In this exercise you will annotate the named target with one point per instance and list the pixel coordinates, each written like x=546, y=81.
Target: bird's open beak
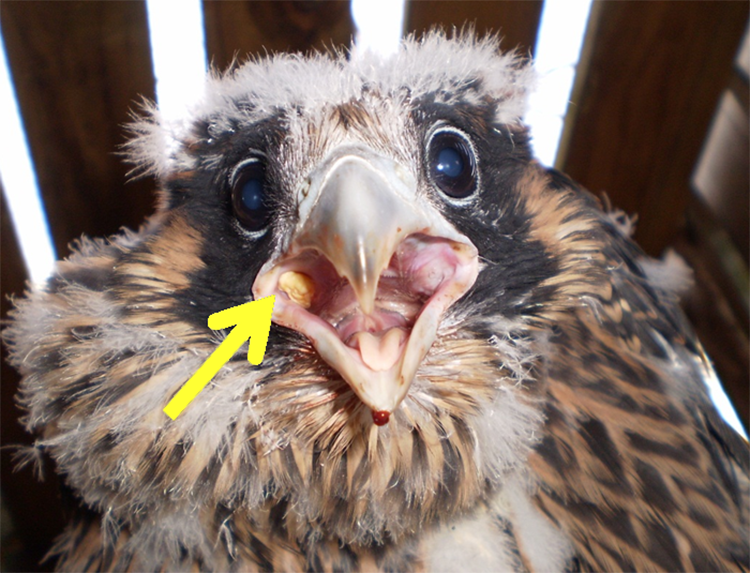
x=368, y=274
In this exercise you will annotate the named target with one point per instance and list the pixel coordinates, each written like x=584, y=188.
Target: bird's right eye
x=249, y=197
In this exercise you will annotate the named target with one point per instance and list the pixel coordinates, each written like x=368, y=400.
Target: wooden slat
x=517, y=22
x=643, y=106
x=236, y=30
x=34, y=507
x=722, y=176
x=78, y=67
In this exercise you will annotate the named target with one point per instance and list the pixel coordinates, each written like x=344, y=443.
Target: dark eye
x=249, y=199
x=452, y=165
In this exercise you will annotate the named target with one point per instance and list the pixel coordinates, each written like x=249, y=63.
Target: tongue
x=382, y=350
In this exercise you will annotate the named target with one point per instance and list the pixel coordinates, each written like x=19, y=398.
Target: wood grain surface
x=516, y=22
x=642, y=108
x=236, y=30
x=79, y=68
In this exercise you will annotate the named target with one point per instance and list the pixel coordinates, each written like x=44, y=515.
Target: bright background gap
x=20, y=185
x=722, y=402
x=379, y=25
x=558, y=48
x=178, y=53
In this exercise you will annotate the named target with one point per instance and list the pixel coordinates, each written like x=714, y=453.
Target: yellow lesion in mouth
x=299, y=287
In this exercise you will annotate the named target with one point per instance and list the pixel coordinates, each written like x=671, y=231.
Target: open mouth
x=368, y=295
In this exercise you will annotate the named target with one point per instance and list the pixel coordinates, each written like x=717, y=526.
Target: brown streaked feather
x=627, y=466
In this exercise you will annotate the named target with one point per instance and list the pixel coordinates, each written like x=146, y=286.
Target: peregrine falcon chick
x=468, y=368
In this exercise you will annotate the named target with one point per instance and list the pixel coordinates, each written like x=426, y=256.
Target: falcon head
x=423, y=265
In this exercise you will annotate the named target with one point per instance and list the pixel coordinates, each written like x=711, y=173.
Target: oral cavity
x=377, y=351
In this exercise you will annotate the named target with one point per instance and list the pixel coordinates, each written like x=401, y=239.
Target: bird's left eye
x=451, y=163
x=249, y=199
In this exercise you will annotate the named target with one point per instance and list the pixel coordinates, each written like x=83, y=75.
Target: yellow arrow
x=253, y=320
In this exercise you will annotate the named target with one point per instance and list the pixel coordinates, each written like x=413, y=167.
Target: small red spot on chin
x=381, y=417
